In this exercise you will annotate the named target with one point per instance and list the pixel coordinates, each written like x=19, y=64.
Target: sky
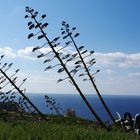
x=109, y=27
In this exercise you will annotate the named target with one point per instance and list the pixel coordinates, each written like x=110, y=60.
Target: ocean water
x=116, y=103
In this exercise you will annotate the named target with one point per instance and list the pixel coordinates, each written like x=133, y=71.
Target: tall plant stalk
x=52, y=102
x=88, y=72
x=43, y=35
x=12, y=82
x=17, y=109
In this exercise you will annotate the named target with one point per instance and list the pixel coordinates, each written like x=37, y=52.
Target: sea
x=116, y=103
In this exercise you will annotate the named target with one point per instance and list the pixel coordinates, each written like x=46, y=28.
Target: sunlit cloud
x=108, y=80
x=109, y=71
x=28, y=54
x=8, y=52
x=119, y=59
x=134, y=75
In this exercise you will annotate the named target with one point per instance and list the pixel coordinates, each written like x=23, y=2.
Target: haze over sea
x=116, y=103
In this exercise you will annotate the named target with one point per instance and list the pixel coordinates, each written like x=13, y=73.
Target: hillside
x=55, y=129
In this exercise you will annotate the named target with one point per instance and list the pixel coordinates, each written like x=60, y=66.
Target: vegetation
x=81, y=60
x=22, y=120
x=54, y=129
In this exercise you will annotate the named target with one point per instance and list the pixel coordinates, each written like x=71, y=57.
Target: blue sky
x=110, y=27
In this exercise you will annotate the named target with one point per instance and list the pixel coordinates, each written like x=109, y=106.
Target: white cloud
x=119, y=59
x=112, y=80
x=8, y=52
x=134, y=75
x=109, y=71
x=26, y=53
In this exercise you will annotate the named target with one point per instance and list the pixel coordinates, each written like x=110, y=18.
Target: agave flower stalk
x=53, y=104
x=29, y=108
x=50, y=43
x=17, y=109
x=67, y=30
x=18, y=89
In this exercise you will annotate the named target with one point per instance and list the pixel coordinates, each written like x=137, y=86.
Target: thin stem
x=70, y=76
x=58, y=112
x=91, y=79
x=23, y=95
x=16, y=107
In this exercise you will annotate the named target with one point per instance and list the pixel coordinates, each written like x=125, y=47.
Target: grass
x=54, y=129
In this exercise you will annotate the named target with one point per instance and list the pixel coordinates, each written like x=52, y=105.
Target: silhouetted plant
x=51, y=103
x=10, y=99
x=27, y=108
x=41, y=34
x=70, y=32
x=6, y=80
